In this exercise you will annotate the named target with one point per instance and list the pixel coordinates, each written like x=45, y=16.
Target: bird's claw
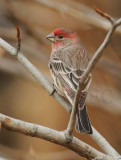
x=53, y=91
x=68, y=137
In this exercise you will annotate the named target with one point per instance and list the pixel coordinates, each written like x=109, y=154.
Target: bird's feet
x=68, y=137
x=53, y=91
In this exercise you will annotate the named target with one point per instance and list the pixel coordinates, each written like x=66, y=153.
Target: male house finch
x=67, y=63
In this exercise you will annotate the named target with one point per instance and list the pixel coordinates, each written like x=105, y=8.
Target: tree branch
x=105, y=15
x=91, y=65
x=80, y=95
x=100, y=50
x=19, y=40
x=51, y=135
x=103, y=143
x=71, y=123
x=36, y=74
x=108, y=149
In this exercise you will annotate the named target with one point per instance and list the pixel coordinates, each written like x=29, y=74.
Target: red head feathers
x=62, y=37
x=65, y=33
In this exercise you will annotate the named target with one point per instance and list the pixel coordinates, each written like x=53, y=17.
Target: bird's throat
x=56, y=45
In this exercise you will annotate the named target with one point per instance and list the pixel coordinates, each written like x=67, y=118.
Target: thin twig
x=51, y=135
x=79, y=101
x=71, y=123
x=105, y=15
x=19, y=40
x=100, y=50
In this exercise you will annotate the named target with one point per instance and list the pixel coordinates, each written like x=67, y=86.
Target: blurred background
x=23, y=98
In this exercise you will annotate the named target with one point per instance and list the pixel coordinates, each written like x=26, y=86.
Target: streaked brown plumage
x=68, y=61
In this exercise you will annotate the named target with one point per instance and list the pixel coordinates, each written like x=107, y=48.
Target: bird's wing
x=67, y=76
x=66, y=66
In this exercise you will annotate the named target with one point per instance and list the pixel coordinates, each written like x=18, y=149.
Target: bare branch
x=94, y=60
x=105, y=15
x=51, y=135
x=71, y=123
x=102, y=142
x=91, y=65
x=99, y=51
x=19, y=40
x=36, y=74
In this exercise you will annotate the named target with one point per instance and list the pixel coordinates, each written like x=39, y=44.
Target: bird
x=68, y=61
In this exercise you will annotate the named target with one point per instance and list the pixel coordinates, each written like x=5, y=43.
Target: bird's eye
x=60, y=36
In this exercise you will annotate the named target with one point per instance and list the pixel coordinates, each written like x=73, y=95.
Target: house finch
x=68, y=61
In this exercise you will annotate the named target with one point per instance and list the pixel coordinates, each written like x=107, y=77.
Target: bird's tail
x=83, y=124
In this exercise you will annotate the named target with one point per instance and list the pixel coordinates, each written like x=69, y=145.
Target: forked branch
x=51, y=135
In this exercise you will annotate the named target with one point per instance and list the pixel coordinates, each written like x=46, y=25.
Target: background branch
x=92, y=18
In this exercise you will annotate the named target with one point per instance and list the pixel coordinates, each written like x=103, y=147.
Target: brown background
x=23, y=98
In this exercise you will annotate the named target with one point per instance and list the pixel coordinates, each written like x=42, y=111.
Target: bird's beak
x=51, y=37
